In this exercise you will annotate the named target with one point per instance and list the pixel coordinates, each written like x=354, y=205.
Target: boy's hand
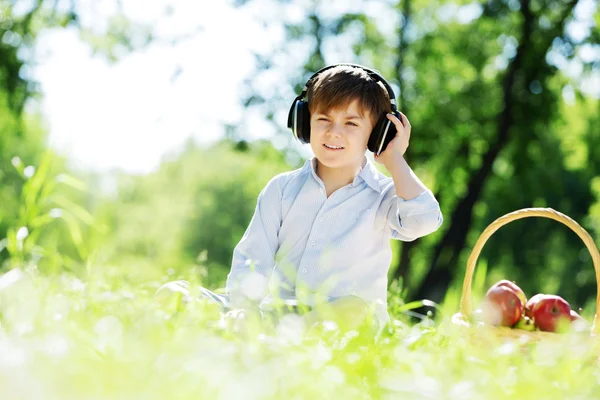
x=397, y=147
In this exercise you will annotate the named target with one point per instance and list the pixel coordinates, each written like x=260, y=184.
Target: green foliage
x=121, y=37
x=494, y=128
x=34, y=237
x=482, y=95
x=197, y=204
x=35, y=190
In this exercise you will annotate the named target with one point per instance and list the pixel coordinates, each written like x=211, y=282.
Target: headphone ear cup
x=303, y=121
x=299, y=120
x=382, y=134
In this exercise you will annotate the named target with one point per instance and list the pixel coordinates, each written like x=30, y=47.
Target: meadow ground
x=65, y=337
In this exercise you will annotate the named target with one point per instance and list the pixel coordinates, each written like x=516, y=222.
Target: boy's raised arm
x=417, y=212
x=413, y=212
x=254, y=255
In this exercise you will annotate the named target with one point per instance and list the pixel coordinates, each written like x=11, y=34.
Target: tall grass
x=34, y=235
x=67, y=338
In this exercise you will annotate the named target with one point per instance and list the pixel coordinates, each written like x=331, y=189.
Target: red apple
x=552, y=313
x=531, y=304
x=515, y=288
x=501, y=306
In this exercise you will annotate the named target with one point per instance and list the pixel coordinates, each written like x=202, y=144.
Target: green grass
x=103, y=337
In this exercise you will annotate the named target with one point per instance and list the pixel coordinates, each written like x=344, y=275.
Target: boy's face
x=339, y=137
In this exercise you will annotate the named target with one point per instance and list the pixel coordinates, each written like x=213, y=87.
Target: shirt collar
x=368, y=173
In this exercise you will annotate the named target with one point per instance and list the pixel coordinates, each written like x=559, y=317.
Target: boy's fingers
x=397, y=123
x=405, y=124
x=403, y=121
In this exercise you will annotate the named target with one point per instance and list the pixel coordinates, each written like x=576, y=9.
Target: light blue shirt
x=303, y=245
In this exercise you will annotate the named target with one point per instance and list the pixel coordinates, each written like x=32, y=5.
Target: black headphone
x=383, y=132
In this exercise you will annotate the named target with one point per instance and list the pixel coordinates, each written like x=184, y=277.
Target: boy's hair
x=338, y=86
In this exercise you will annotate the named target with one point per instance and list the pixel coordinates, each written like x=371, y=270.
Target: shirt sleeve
x=254, y=255
x=412, y=219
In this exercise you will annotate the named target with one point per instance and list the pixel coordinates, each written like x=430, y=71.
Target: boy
x=320, y=235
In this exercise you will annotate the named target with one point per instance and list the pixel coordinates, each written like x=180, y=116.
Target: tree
x=22, y=136
x=484, y=93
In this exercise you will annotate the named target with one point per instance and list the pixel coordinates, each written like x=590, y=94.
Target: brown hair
x=340, y=85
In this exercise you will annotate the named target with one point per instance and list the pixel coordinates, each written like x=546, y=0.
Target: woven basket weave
x=466, y=307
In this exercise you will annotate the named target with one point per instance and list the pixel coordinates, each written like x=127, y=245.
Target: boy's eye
x=352, y=123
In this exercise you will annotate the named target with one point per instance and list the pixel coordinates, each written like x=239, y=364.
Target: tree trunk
x=402, y=269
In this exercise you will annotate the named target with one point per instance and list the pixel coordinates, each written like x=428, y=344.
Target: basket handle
x=465, y=301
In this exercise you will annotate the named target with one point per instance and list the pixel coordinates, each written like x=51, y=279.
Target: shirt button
x=304, y=270
x=321, y=189
x=321, y=218
x=313, y=242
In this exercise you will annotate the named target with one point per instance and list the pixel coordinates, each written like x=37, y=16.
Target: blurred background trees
x=498, y=125
x=504, y=107
x=43, y=216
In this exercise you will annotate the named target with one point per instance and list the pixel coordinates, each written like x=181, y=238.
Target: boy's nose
x=334, y=131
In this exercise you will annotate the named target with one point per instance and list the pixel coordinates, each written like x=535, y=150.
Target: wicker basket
x=463, y=318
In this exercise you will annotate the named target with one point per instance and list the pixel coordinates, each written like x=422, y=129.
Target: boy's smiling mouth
x=332, y=147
